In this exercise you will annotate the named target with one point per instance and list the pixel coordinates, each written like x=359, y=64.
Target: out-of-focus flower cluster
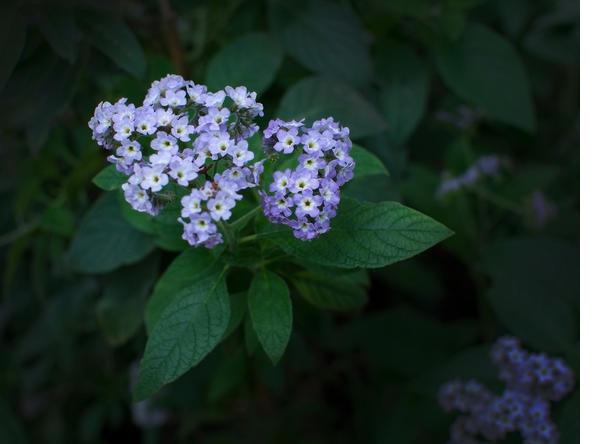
x=488, y=165
x=307, y=197
x=532, y=381
x=186, y=136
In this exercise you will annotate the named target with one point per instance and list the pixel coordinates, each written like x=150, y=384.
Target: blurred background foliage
x=430, y=86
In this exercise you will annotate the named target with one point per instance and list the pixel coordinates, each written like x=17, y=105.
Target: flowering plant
x=188, y=157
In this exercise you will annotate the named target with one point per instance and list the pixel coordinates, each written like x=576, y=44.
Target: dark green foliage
x=252, y=61
x=271, y=340
x=105, y=241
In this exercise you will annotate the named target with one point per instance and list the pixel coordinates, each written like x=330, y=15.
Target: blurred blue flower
x=488, y=165
x=532, y=381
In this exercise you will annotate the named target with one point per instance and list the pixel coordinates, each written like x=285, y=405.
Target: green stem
x=253, y=237
x=250, y=238
x=268, y=261
x=227, y=233
x=241, y=221
x=12, y=236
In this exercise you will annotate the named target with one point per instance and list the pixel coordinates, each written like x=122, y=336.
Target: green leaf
x=188, y=267
x=367, y=163
x=119, y=43
x=535, y=290
x=12, y=41
x=314, y=98
x=405, y=88
x=331, y=289
x=188, y=329
x=367, y=235
x=58, y=220
x=105, y=241
x=324, y=37
x=109, y=179
x=251, y=60
x=141, y=221
x=39, y=92
x=482, y=67
x=121, y=307
x=270, y=309
x=59, y=29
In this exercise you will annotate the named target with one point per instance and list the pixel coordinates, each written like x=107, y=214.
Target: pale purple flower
x=214, y=99
x=303, y=180
x=154, y=178
x=196, y=93
x=281, y=181
x=220, y=206
x=287, y=140
x=311, y=142
x=311, y=162
x=220, y=145
x=181, y=129
x=123, y=130
x=330, y=192
x=240, y=153
x=215, y=120
x=192, y=203
x=138, y=198
x=123, y=111
x=173, y=99
x=161, y=158
x=241, y=96
x=164, y=116
x=122, y=164
x=130, y=152
x=183, y=170
x=145, y=120
x=307, y=204
x=164, y=142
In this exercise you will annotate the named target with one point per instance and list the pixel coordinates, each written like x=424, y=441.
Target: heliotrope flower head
x=175, y=140
x=307, y=197
x=532, y=381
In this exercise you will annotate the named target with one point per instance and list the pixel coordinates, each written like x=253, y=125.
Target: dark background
x=429, y=86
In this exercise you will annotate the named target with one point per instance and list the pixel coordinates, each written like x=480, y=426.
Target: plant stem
x=249, y=238
x=497, y=200
x=229, y=237
x=12, y=236
x=268, y=261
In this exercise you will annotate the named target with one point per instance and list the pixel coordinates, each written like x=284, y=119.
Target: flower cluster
x=532, y=381
x=307, y=197
x=488, y=165
x=183, y=136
